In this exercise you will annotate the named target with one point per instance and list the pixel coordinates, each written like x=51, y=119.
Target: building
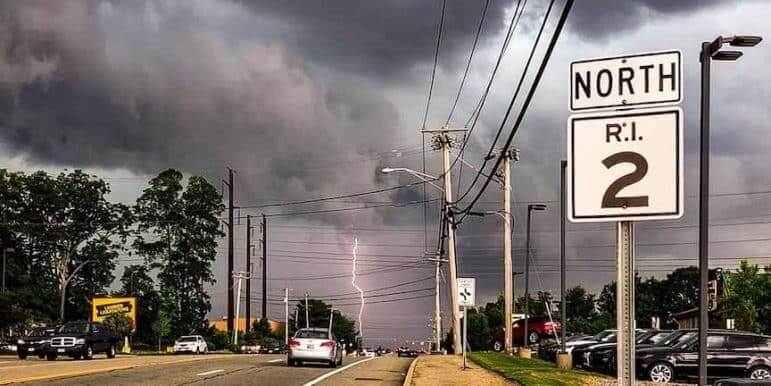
x=222, y=325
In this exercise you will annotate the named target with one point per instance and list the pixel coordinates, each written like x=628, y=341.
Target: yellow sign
x=101, y=308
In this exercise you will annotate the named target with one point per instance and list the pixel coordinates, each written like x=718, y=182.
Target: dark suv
x=82, y=340
x=36, y=343
x=729, y=354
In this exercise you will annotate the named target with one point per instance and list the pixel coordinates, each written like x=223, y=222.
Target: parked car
x=271, y=348
x=548, y=352
x=405, y=351
x=729, y=354
x=538, y=328
x=314, y=345
x=82, y=340
x=194, y=344
x=602, y=357
x=36, y=342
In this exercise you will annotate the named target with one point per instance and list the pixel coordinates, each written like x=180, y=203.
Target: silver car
x=314, y=345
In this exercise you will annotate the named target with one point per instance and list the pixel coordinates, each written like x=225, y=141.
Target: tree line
x=62, y=238
x=746, y=298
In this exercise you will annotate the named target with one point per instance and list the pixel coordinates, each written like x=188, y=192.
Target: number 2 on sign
x=610, y=199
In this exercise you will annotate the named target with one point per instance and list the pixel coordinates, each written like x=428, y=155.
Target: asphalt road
x=206, y=369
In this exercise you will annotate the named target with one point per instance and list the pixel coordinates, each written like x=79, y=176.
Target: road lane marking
x=276, y=360
x=331, y=373
x=210, y=372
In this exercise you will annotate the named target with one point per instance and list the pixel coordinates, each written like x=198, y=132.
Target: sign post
x=466, y=299
x=625, y=166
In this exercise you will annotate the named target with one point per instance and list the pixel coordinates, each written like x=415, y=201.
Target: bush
x=218, y=340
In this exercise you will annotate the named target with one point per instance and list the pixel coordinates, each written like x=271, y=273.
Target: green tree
x=183, y=226
x=744, y=297
x=13, y=311
x=120, y=324
x=478, y=330
x=261, y=329
x=580, y=303
x=162, y=327
x=136, y=281
x=494, y=314
x=71, y=234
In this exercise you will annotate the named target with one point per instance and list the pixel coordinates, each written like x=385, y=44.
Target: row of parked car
x=666, y=355
x=76, y=340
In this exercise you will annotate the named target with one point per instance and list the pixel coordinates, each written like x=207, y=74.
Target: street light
x=530, y=208
x=427, y=178
x=709, y=51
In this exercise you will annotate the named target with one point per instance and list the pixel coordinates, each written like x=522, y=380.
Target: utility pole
x=507, y=270
x=443, y=141
x=229, y=184
x=286, y=316
x=248, y=269
x=331, y=316
x=240, y=276
x=264, y=267
x=530, y=209
x=437, y=302
x=563, y=258
x=307, y=321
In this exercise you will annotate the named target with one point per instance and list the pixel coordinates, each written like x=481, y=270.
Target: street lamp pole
x=530, y=208
x=709, y=51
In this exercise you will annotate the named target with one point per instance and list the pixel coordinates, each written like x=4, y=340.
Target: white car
x=314, y=345
x=191, y=344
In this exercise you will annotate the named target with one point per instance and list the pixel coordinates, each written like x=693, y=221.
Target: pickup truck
x=82, y=340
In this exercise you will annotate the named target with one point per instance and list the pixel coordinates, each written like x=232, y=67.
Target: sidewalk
x=433, y=370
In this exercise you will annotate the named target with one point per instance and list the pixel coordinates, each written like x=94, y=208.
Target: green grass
x=532, y=372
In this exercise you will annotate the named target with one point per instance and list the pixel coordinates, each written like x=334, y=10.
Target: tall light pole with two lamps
x=709, y=51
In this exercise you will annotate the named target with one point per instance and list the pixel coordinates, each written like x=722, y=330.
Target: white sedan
x=191, y=344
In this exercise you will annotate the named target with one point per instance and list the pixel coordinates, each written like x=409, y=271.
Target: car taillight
x=328, y=343
x=294, y=342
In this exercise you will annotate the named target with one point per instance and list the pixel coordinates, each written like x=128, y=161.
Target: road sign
x=625, y=166
x=466, y=292
x=639, y=80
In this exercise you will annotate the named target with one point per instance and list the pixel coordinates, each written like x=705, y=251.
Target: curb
x=410, y=373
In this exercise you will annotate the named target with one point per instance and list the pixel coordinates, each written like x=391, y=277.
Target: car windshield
x=312, y=334
x=684, y=340
x=39, y=332
x=187, y=339
x=575, y=338
x=609, y=338
x=74, y=328
x=655, y=337
x=602, y=334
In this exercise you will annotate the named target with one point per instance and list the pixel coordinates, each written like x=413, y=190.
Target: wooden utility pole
x=249, y=270
x=230, y=249
x=264, y=267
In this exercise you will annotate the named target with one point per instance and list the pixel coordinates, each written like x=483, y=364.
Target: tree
x=744, y=299
x=478, y=330
x=343, y=327
x=162, y=326
x=120, y=324
x=494, y=314
x=13, y=311
x=580, y=303
x=71, y=232
x=136, y=281
x=183, y=226
x=261, y=329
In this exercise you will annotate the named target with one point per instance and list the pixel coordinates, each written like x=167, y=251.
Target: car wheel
x=76, y=357
x=51, y=356
x=498, y=346
x=41, y=355
x=533, y=337
x=760, y=372
x=332, y=364
x=22, y=355
x=111, y=352
x=661, y=372
x=89, y=354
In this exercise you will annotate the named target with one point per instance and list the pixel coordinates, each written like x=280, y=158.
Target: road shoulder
x=432, y=370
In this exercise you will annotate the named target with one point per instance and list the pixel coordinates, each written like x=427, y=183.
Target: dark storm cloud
x=384, y=37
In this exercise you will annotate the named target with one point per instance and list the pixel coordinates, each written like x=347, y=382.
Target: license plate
x=31, y=349
x=309, y=347
x=60, y=350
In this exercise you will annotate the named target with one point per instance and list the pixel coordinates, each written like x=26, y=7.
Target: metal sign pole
x=625, y=303
x=465, y=334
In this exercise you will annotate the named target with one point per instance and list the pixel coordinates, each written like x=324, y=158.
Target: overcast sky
x=311, y=99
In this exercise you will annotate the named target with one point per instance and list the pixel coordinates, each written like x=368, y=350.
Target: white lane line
x=210, y=372
x=276, y=360
x=331, y=373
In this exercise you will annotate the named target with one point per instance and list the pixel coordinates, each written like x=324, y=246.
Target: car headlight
x=80, y=341
x=20, y=341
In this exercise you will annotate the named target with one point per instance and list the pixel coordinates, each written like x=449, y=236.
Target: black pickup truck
x=35, y=343
x=82, y=340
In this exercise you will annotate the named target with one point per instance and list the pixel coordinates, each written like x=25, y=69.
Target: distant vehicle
x=251, y=349
x=35, y=343
x=82, y=340
x=388, y=351
x=538, y=328
x=194, y=344
x=314, y=345
x=406, y=352
x=271, y=348
x=729, y=354
x=367, y=352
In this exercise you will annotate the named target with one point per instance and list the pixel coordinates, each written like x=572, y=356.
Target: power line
x=392, y=205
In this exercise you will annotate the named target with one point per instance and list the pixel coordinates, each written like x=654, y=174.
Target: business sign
x=625, y=166
x=101, y=308
x=639, y=80
x=466, y=292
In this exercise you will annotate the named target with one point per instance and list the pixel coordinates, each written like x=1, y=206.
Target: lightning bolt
x=353, y=283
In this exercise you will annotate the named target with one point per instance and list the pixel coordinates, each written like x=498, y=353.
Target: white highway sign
x=466, y=292
x=639, y=80
x=625, y=166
